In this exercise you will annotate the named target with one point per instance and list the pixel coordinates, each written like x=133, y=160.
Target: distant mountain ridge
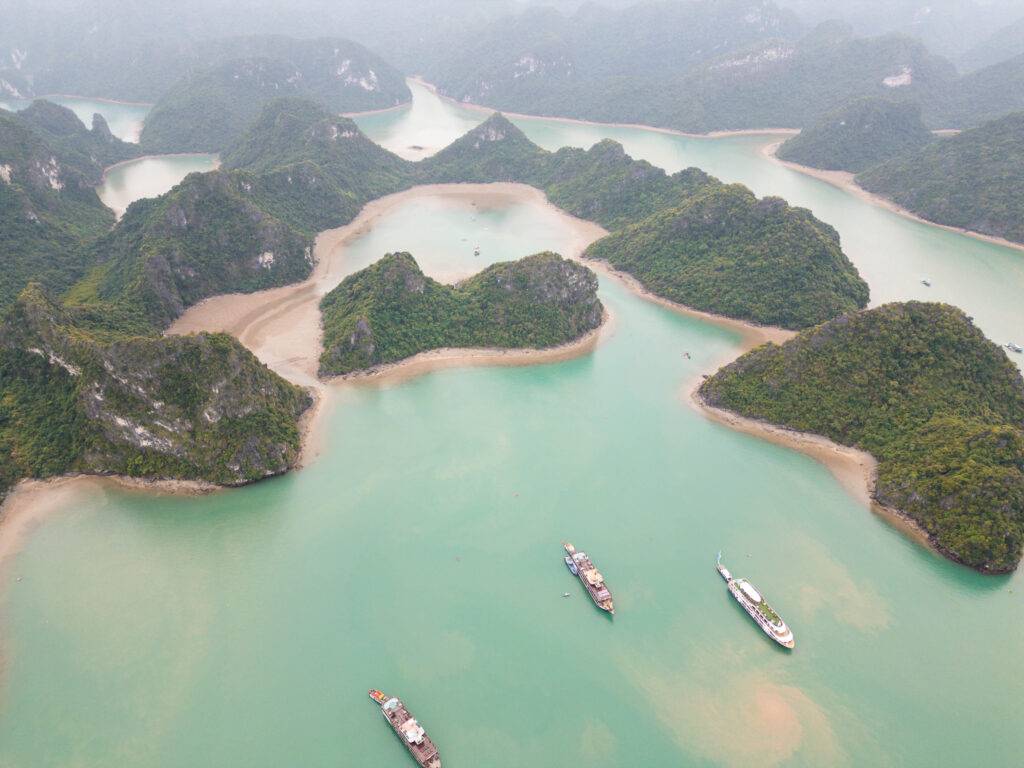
x=339, y=72
x=754, y=66
x=211, y=106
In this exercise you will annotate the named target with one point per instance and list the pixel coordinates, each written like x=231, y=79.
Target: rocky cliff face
x=192, y=407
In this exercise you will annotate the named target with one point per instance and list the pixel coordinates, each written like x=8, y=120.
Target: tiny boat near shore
x=581, y=567
x=408, y=730
x=755, y=605
x=1014, y=347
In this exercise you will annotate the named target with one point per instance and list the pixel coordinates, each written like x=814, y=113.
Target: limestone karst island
x=396, y=384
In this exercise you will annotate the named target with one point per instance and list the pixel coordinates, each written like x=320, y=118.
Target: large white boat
x=754, y=604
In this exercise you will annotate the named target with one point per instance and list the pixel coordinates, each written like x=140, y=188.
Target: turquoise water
x=892, y=253
x=125, y=120
x=127, y=182
x=420, y=553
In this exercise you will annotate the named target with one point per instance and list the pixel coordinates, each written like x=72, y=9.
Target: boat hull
x=785, y=639
x=580, y=565
x=422, y=749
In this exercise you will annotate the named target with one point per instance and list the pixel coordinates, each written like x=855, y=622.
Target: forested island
x=391, y=310
x=724, y=251
x=971, y=181
x=858, y=136
x=919, y=387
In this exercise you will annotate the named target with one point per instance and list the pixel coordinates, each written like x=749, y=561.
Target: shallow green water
x=125, y=120
x=420, y=553
x=149, y=177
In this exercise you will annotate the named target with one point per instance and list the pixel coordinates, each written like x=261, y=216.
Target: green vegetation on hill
x=181, y=407
x=390, y=310
x=972, y=180
x=919, y=387
x=294, y=132
x=211, y=107
x=725, y=251
x=858, y=136
x=606, y=185
x=90, y=150
x=602, y=184
x=981, y=96
x=496, y=150
x=208, y=235
x=49, y=165
x=781, y=266
x=296, y=171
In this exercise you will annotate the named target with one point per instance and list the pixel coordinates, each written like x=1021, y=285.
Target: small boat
x=1014, y=347
x=755, y=605
x=408, y=730
x=476, y=251
x=581, y=567
x=926, y=282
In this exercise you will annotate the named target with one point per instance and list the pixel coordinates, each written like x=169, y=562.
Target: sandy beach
x=856, y=470
x=847, y=181
x=439, y=359
x=281, y=326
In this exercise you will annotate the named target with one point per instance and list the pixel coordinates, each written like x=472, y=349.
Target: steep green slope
x=48, y=206
x=919, y=387
x=292, y=132
x=495, y=150
x=211, y=107
x=972, y=180
x=981, y=96
x=208, y=235
x=602, y=184
x=193, y=407
x=727, y=252
x=91, y=150
x=390, y=310
x=606, y=185
x=858, y=136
